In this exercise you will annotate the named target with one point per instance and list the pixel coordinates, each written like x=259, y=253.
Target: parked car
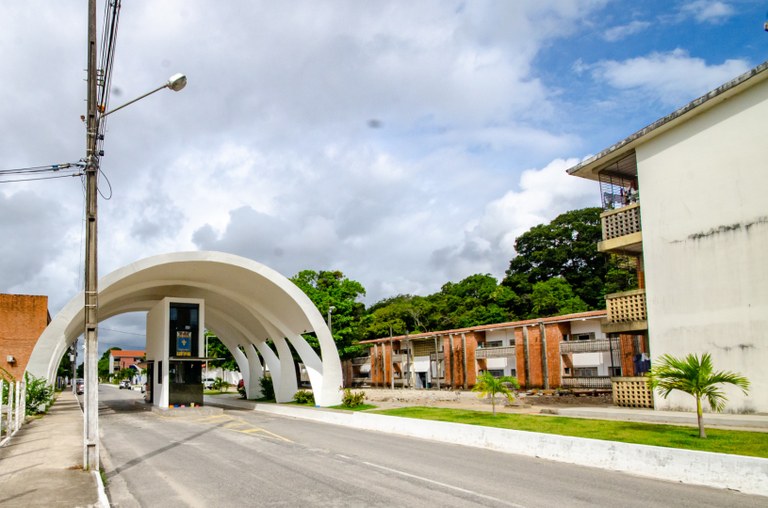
x=125, y=384
x=79, y=386
x=208, y=383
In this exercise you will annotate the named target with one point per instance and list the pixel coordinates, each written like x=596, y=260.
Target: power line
x=34, y=179
x=41, y=169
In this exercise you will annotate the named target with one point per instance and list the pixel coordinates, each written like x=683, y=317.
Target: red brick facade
x=22, y=319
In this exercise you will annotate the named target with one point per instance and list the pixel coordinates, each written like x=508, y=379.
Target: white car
x=208, y=383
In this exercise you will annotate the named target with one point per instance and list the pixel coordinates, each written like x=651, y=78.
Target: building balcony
x=626, y=312
x=590, y=383
x=588, y=346
x=495, y=352
x=622, y=233
x=361, y=360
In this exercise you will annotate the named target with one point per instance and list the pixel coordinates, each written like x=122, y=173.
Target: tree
x=126, y=373
x=490, y=386
x=217, y=349
x=329, y=289
x=695, y=376
x=553, y=297
x=103, y=365
x=475, y=300
x=567, y=248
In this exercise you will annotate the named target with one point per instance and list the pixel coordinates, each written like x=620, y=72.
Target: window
x=493, y=343
x=585, y=372
x=584, y=336
x=615, y=371
x=496, y=372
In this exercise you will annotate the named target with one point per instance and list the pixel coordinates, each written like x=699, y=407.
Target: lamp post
x=176, y=83
x=330, y=323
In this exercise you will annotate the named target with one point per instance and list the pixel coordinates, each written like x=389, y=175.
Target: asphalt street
x=248, y=458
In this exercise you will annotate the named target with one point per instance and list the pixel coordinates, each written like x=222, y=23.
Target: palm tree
x=488, y=385
x=697, y=377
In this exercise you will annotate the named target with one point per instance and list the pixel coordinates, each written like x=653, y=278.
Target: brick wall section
x=554, y=334
x=22, y=319
x=454, y=364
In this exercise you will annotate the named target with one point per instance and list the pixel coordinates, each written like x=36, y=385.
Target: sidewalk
x=42, y=463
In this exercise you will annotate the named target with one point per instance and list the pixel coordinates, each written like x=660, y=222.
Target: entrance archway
x=247, y=304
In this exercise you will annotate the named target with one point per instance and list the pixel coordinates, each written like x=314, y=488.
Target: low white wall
x=745, y=474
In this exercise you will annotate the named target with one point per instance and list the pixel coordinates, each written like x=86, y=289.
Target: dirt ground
x=526, y=402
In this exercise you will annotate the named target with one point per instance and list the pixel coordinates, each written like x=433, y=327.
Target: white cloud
x=707, y=11
x=618, y=33
x=674, y=77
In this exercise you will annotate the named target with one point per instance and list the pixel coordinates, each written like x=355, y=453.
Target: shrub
x=220, y=385
x=350, y=399
x=267, y=389
x=39, y=394
x=304, y=397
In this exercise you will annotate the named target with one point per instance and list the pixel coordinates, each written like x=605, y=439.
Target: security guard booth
x=175, y=328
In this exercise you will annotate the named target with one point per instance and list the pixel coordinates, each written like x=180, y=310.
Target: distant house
x=686, y=198
x=568, y=351
x=124, y=359
x=22, y=319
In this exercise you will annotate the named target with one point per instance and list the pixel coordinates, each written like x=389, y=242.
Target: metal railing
x=495, y=352
x=620, y=222
x=598, y=382
x=626, y=307
x=13, y=409
x=589, y=346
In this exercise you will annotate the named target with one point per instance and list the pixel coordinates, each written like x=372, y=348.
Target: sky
x=406, y=144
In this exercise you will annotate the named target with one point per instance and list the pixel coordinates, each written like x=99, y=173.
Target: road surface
x=247, y=458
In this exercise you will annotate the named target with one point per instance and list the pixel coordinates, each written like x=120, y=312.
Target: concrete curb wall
x=745, y=474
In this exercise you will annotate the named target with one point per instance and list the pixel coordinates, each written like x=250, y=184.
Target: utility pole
x=91, y=424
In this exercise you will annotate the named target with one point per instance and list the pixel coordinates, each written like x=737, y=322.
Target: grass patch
x=753, y=444
x=360, y=407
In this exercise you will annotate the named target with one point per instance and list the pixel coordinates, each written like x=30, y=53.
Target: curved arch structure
x=246, y=304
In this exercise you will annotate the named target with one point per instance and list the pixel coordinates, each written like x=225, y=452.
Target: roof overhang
x=591, y=167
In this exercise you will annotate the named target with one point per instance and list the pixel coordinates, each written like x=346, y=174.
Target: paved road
x=247, y=458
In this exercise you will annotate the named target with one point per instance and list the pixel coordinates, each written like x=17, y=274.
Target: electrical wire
x=40, y=178
x=39, y=169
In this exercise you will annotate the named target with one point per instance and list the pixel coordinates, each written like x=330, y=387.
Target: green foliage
x=217, y=349
x=567, y=248
x=65, y=365
x=103, y=365
x=220, y=385
x=39, y=394
x=753, y=444
x=489, y=386
x=696, y=376
x=304, y=397
x=553, y=297
x=267, y=388
x=126, y=373
x=352, y=399
x=333, y=289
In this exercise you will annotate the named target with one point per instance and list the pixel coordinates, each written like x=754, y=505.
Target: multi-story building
x=125, y=359
x=567, y=351
x=685, y=198
x=22, y=319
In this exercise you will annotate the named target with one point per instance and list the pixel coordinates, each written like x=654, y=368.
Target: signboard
x=183, y=343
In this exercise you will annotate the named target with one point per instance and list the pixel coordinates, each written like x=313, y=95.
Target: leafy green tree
x=475, y=300
x=555, y=296
x=126, y=373
x=695, y=376
x=329, y=289
x=490, y=386
x=103, y=365
x=217, y=349
x=39, y=394
x=220, y=385
x=567, y=248
x=399, y=315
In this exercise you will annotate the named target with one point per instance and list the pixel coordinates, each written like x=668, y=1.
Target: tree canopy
x=565, y=248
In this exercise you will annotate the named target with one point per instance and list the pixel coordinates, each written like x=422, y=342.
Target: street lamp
x=175, y=83
x=330, y=323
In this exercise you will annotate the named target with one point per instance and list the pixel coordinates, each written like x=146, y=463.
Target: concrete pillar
x=526, y=358
x=544, y=366
x=464, y=357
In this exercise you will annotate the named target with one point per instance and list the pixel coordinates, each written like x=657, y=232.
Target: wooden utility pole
x=91, y=424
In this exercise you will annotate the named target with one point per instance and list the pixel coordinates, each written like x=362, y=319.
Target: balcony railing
x=594, y=383
x=361, y=360
x=626, y=307
x=588, y=346
x=621, y=222
x=495, y=352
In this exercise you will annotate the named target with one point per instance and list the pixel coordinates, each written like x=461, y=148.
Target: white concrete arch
x=247, y=303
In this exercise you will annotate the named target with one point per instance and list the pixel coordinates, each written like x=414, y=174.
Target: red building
x=22, y=319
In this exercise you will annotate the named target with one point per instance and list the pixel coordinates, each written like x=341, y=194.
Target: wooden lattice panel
x=623, y=221
x=626, y=307
x=632, y=392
